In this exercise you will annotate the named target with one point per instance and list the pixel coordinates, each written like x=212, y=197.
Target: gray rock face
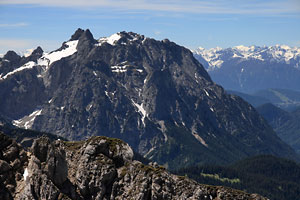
x=152, y=94
x=102, y=168
x=46, y=172
x=12, y=160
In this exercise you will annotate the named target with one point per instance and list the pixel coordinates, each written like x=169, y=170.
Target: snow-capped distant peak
x=242, y=48
x=200, y=49
x=283, y=47
x=212, y=56
x=215, y=57
x=217, y=49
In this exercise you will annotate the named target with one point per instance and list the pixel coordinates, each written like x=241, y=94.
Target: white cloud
x=157, y=32
x=13, y=25
x=190, y=6
x=14, y=43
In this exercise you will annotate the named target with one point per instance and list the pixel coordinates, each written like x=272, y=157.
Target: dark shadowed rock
x=36, y=54
x=77, y=34
x=12, y=57
x=12, y=161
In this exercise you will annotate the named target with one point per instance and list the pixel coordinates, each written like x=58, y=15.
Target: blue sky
x=25, y=24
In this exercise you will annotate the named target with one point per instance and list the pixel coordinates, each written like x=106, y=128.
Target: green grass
x=217, y=177
x=73, y=145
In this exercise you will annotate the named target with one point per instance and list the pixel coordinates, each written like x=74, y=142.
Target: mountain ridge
x=146, y=92
x=281, y=53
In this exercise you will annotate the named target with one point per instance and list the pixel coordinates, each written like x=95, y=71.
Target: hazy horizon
x=27, y=24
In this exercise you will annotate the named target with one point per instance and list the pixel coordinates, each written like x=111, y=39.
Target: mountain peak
x=38, y=51
x=77, y=34
x=80, y=33
x=286, y=47
x=11, y=55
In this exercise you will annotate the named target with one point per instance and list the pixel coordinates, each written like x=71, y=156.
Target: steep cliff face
x=98, y=168
x=152, y=94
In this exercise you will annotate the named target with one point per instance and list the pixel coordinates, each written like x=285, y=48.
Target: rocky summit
x=152, y=94
x=97, y=168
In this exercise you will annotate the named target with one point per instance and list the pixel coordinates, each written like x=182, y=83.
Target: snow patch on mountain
x=123, y=67
x=25, y=175
x=119, y=69
x=141, y=110
x=200, y=139
x=127, y=37
x=28, y=65
x=58, y=55
x=47, y=59
x=110, y=40
x=27, y=121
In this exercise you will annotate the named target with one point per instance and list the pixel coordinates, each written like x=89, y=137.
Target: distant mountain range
x=152, y=94
x=249, y=69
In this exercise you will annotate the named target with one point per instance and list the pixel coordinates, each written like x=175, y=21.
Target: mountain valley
x=285, y=124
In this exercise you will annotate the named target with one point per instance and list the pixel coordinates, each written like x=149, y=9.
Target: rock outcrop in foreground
x=98, y=168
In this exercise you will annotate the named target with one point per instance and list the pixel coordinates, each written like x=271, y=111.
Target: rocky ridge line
x=98, y=168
